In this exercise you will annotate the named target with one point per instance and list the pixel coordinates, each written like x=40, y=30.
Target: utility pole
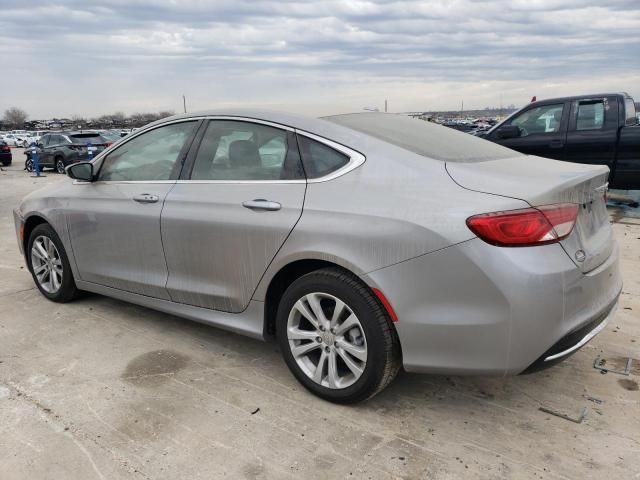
x=184, y=103
x=385, y=105
x=462, y=107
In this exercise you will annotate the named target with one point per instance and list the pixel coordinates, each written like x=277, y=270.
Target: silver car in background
x=364, y=242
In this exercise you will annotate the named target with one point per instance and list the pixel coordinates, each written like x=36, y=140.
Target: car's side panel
x=216, y=249
x=373, y=216
x=249, y=322
x=115, y=239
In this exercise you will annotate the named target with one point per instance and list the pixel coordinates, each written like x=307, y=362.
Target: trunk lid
x=541, y=181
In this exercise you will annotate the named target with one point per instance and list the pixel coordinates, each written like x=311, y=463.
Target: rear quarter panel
x=396, y=206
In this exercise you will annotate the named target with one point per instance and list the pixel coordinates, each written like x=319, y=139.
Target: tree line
x=17, y=118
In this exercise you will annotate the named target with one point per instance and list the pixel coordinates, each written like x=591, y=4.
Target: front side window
x=319, y=159
x=590, y=115
x=149, y=156
x=539, y=120
x=236, y=150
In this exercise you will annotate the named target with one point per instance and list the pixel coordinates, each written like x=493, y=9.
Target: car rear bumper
x=478, y=309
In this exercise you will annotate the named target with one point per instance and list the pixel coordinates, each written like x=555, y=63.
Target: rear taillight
x=525, y=227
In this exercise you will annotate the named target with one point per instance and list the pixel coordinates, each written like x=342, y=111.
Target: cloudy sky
x=88, y=57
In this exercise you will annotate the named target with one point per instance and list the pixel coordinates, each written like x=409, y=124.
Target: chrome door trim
x=193, y=182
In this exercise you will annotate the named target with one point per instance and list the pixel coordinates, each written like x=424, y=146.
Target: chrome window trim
x=236, y=182
x=356, y=159
x=109, y=182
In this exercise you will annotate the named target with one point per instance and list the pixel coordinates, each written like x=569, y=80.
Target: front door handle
x=146, y=198
x=261, y=204
x=556, y=144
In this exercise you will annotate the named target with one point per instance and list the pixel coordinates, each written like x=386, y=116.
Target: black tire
x=67, y=290
x=383, y=348
x=59, y=165
x=6, y=163
x=28, y=165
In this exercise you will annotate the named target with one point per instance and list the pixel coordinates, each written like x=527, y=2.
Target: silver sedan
x=363, y=243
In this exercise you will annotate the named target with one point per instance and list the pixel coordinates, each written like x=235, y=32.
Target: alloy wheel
x=327, y=340
x=46, y=264
x=60, y=166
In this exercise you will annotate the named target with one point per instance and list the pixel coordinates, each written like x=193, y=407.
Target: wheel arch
x=30, y=224
x=281, y=281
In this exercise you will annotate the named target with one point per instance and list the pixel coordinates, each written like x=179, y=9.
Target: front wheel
x=49, y=265
x=336, y=337
x=29, y=165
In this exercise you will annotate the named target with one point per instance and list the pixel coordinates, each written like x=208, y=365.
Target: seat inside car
x=243, y=153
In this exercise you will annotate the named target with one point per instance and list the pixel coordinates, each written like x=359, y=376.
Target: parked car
x=595, y=129
x=363, y=242
x=5, y=154
x=58, y=150
x=15, y=139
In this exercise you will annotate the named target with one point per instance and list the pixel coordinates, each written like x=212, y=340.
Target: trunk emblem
x=580, y=255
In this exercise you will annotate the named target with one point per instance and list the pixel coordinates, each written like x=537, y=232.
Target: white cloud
x=89, y=57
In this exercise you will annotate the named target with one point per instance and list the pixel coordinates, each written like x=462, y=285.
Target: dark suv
x=57, y=150
x=5, y=154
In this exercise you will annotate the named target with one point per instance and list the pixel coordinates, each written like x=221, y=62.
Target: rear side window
x=238, y=151
x=319, y=159
x=590, y=115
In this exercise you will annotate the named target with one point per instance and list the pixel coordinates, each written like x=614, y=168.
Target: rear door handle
x=146, y=198
x=261, y=204
x=556, y=144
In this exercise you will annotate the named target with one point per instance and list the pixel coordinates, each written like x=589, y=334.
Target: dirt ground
x=103, y=389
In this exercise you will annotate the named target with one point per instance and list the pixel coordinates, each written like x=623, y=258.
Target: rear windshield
x=424, y=138
x=85, y=137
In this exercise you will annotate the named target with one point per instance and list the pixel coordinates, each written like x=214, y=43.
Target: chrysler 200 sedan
x=364, y=243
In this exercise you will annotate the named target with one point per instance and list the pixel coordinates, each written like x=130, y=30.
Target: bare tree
x=15, y=117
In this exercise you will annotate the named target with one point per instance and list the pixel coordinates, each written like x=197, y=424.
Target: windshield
x=424, y=138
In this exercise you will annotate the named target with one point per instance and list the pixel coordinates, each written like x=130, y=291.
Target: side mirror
x=81, y=171
x=508, y=131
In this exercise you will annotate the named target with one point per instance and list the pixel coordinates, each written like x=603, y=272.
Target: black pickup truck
x=598, y=129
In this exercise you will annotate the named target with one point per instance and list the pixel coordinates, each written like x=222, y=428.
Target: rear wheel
x=336, y=338
x=29, y=165
x=6, y=163
x=60, y=165
x=49, y=265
